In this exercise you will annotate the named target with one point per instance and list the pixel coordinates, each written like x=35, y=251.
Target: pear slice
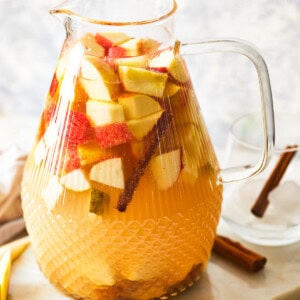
x=141, y=81
x=99, y=79
x=166, y=168
x=103, y=112
x=137, y=105
x=173, y=63
x=140, y=127
x=5, y=268
x=109, y=172
x=75, y=181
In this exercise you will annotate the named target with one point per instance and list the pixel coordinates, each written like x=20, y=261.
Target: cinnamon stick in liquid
x=262, y=202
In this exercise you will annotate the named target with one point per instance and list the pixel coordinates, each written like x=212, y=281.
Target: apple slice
x=136, y=106
x=140, y=127
x=141, y=81
x=109, y=172
x=52, y=192
x=135, y=61
x=75, y=181
x=113, y=135
x=5, y=268
x=166, y=168
x=99, y=79
x=91, y=45
x=103, y=112
x=171, y=89
x=109, y=39
x=133, y=47
x=173, y=63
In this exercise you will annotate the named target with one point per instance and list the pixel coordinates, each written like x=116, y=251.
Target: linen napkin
x=12, y=160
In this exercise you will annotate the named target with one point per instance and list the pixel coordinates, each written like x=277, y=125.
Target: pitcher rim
x=75, y=15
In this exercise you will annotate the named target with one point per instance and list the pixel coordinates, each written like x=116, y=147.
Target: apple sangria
x=121, y=191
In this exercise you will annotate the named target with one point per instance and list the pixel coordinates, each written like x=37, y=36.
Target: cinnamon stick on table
x=262, y=202
x=238, y=254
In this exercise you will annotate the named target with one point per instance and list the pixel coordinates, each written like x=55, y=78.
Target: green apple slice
x=166, y=168
x=141, y=81
x=103, y=112
x=137, y=105
x=109, y=172
x=5, y=268
x=75, y=181
x=99, y=79
x=140, y=127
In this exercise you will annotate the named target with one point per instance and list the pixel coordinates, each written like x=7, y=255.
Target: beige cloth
x=12, y=162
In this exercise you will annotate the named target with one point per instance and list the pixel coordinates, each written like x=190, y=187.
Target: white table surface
x=222, y=279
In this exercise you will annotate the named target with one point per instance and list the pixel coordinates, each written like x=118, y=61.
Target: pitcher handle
x=242, y=47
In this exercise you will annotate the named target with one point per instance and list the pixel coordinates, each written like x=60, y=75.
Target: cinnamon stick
x=238, y=254
x=262, y=202
x=152, y=140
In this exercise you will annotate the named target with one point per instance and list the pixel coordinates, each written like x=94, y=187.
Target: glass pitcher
x=122, y=190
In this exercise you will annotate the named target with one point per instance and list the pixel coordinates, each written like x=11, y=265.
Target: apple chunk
x=141, y=81
x=99, y=79
x=166, y=168
x=109, y=172
x=140, y=127
x=75, y=181
x=91, y=45
x=173, y=63
x=137, y=105
x=103, y=112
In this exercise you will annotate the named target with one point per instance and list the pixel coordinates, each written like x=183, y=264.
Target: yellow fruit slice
x=136, y=106
x=16, y=247
x=5, y=267
x=143, y=81
x=140, y=127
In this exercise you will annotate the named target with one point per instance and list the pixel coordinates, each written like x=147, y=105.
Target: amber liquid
x=162, y=242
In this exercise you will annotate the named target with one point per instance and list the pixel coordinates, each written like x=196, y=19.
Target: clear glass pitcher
x=122, y=190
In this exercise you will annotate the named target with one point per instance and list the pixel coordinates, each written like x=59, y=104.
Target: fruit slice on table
x=141, y=127
x=91, y=45
x=113, y=135
x=99, y=79
x=109, y=172
x=173, y=63
x=166, y=168
x=16, y=248
x=103, y=112
x=75, y=181
x=5, y=268
x=98, y=202
x=141, y=81
x=136, y=106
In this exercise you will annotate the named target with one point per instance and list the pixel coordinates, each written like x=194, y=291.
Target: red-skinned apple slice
x=173, y=63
